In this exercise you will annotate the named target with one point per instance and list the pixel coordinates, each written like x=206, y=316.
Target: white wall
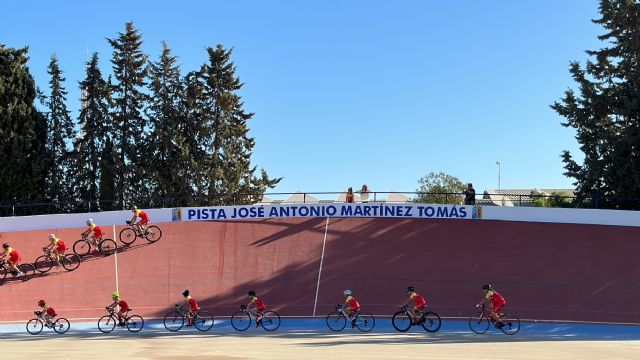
x=557, y=215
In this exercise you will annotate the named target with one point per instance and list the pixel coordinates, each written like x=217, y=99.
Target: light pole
x=498, y=163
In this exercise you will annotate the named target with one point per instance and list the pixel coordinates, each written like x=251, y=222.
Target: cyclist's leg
x=417, y=314
x=56, y=255
x=120, y=318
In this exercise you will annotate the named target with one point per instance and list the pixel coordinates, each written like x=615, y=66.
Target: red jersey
x=49, y=311
x=260, y=305
x=124, y=307
x=418, y=299
x=353, y=303
x=496, y=298
x=193, y=304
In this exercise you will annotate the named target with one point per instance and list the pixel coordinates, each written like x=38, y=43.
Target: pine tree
x=23, y=131
x=60, y=133
x=130, y=71
x=606, y=112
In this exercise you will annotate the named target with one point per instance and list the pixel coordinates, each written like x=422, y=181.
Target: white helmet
x=52, y=236
x=347, y=292
x=90, y=221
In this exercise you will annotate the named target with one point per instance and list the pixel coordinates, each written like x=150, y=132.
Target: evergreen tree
x=130, y=71
x=228, y=165
x=606, y=112
x=107, y=166
x=23, y=131
x=60, y=133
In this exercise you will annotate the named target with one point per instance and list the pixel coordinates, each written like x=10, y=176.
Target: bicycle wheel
x=28, y=269
x=107, y=323
x=336, y=321
x=365, y=322
x=82, y=247
x=173, y=321
x=34, y=326
x=478, y=323
x=203, y=321
x=70, y=262
x=241, y=320
x=153, y=233
x=107, y=247
x=61, y=326
x=431, y=321
x=3, y=272
x=44, y=263
x=135, y=323
x=401, y=321
x=128, y=236
x=511, y=324
x=270, y=320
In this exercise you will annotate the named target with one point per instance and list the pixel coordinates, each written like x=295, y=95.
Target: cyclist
x=144, y=219
x=193, y=306
x=97, y=234
x=49, y=313
x=494, y=302
x=352, y=307
x=14, y=259
x=57, y=247
x=256, y=306
x=121, y=304
x=419, y=304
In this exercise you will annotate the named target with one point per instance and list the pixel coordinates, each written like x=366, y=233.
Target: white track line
x=324, y=243
x=115, y=257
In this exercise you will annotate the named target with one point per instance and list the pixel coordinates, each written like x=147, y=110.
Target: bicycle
x=337, y=320
x=241, y=320
x=107, y=323
x=44, y=263
x=481, y=320
x=27, y=269
x=403, y=320
x=35, y=325
x=174, y=320
x=129, y=234
x=83, y=247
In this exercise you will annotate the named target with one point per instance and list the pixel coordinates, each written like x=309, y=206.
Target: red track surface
x=545, y=271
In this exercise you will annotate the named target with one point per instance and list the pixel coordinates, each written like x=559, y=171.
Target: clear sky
x=353, y=92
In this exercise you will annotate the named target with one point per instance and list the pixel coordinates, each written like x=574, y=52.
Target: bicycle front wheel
x=128, y=236
x=241, y=320
x=34, y=326
x=28, y=269
x=61, y=326
x=82, y=247
x=511, y=324
x=431, y=321
x=107, y=247
x=44, y=263
x=153, y=234
x=270, y=320
x=401, y=321
x=365, y=322
x=135, y=323
x=336, y=321
x=203, y=321
x=478, y=323
x=70, y=262
x=173, y=321
x=106, y=324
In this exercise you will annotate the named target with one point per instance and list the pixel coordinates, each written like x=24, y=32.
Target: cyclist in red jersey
x=49, y=312
x=193, y=306
x=419, y=303
x=57, y=247
x=256, y=306
x=352, y=306
x=14, y=259
x=96, y=232
x=494, y=302
x=144, y=219
x=122, y=305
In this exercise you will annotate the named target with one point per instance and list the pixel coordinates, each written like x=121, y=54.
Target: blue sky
x=353, y=92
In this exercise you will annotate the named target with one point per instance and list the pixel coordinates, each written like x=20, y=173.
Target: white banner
x=324, y=210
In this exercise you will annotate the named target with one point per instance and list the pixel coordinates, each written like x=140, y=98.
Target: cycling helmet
x=185, y=293
x=251, y=293
x=347, y=292
x=5, y=245
x=134, y=208
x=90, y=221
x=410, y=289
x=41, y=303
x=486, y=287
x=115, y=294
x=52, y=236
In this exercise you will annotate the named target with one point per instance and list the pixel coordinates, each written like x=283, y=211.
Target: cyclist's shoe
x=258, y=322
x=353, y=323
x=121, y=323
x=146, y=232
x=499, y=325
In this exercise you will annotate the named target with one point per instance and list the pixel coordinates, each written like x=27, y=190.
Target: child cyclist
x=352, y=306
x=57, y=247
x=144, y=220
x=48, y=313
x=419, y=303
x=193, y=306
x=494, y=302
x=96, y=231
x=122, y=305
x=256, y=306
x=14, y=259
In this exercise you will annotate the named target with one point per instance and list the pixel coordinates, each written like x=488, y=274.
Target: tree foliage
x=439, y=188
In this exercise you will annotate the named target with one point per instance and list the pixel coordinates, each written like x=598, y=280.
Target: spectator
x=469, y=195
x=364, y=193
x=350, y=195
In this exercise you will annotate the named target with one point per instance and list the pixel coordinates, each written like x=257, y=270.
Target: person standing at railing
x=364, y=193
x=350, y=196
x=469, y=195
